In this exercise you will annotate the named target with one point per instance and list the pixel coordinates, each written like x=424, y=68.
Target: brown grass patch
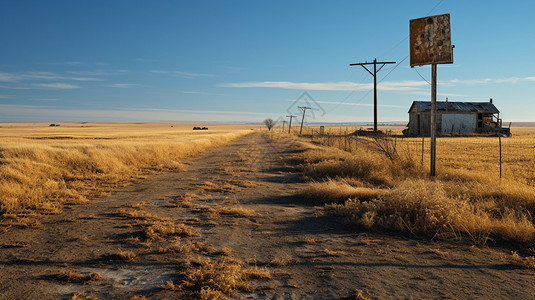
x=523, y=262
x=237, y=211
x=226, y=276
x=127, y=256
x=282, y=261
x=83, y=296
x=162, y=229
x=333, y=252
x=74, y=276
x=338, y=191
x=136, y=213
x=425, y=207
x=187, y=199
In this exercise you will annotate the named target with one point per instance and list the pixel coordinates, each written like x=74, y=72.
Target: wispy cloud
x=331, y=86
x=44, y=99
x=26, y=112
x=202, y=93
x=511, y=80
x=182, y=73
x=428, y=94
x=98, y=72
x=405, y=85
x=122, y=85
x=6, y=96
x=28, y=76
x=59, y=86
x=17, y=87
x=357, y=104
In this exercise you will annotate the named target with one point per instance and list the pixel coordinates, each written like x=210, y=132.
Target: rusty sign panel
x=430, y=41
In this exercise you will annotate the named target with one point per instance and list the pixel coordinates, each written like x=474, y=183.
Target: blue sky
x=249, y=60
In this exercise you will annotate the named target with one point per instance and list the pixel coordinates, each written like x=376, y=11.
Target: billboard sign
x=430, y=40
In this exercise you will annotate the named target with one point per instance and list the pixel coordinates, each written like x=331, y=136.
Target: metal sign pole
x=433, y=113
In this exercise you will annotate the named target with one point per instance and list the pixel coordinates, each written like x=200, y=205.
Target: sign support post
x=433, y=113
x=430, y=44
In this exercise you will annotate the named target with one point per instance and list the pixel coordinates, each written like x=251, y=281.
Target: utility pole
x=374, y=74
x=290, y=125
x=304, y=108
x=283, y=122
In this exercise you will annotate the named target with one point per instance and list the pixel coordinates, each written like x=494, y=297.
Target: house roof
x=483, y=107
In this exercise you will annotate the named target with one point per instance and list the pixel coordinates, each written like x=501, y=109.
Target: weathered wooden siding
x=458, y=123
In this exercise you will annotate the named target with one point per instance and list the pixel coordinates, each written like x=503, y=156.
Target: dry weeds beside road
x=231, y=224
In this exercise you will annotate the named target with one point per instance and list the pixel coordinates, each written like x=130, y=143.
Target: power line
x=391, y=69
x=432, y=9
x=397, y=65
x=421, y=76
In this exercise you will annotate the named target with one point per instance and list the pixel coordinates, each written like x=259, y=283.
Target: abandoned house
x=454, y=117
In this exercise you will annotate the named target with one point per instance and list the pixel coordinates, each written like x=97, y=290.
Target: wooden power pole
x=290, y=125
x=304, y=108
x=283, y=122
x=374, y=74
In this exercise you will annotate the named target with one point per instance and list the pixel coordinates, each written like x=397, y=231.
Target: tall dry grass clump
x=38, y=174
x=424, y=207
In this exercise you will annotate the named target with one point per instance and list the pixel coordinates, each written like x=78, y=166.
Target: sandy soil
x=309, y=257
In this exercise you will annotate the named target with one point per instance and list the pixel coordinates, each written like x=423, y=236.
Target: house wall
x=458, y=123
x=419, y=128
x=446, y=123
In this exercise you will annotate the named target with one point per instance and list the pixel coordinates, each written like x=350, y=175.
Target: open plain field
x=43, y=167
x=235, y=213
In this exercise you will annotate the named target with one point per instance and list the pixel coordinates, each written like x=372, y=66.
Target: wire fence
x=494, y=157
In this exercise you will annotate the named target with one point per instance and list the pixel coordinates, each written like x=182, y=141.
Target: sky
x=245, y=61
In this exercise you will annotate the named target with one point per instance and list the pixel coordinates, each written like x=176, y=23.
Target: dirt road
x=239, y=199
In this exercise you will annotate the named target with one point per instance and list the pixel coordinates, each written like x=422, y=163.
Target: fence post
x=423, y=142
x=500, y=142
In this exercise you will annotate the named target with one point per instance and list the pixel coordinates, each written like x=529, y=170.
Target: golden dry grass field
x=43, y=167
x=381, y=184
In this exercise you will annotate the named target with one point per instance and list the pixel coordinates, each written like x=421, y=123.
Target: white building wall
x=458, y=123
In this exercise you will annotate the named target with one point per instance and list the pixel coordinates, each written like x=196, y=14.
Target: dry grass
x=393, y=193
x=127, y=256
x=188, y=248
x=136, y=213
x=333, y=190
x=223, y=276
x=329, y=252
x=523, y=262
x=282, y=261
x=213, y=213
x=163, y=229
x=74, y=276
x=42, y=168
x=187, y=199
x=236, y=211
x=425, y=207
x=83, y=296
